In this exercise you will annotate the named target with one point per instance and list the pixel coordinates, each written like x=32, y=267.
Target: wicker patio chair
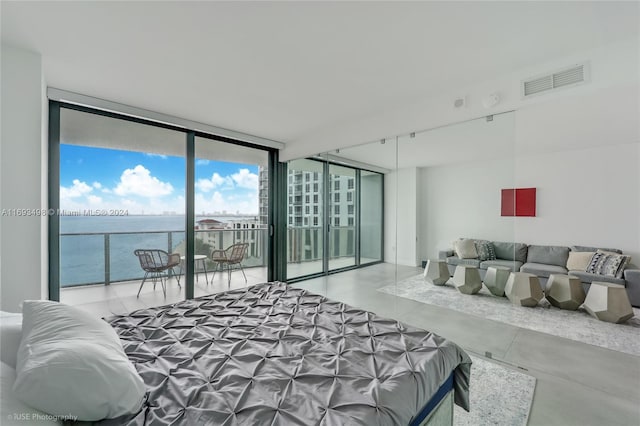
x=232, y=255
x=155, y=263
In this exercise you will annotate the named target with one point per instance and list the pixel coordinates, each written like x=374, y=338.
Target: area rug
x=575, y=325
x=499, y=396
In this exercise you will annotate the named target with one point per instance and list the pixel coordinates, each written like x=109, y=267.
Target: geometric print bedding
x=272, y=354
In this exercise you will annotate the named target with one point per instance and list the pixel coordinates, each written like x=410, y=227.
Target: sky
x=141, y=183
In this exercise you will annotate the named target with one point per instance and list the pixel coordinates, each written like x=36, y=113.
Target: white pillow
x=10, y=336
x=579, y=260
x=466, y=249
x=14, y=412
x=72, y=363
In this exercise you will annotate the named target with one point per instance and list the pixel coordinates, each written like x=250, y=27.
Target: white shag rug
x=575, y=325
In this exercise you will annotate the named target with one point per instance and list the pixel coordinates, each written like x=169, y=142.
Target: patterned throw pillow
x=611, y=265
x=485, y=250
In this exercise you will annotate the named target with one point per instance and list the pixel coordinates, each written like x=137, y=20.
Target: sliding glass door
x=305, y=217
x=121, y=185
x=342, y=217
x=231, y=190
x=371, y=217
x=325, y=219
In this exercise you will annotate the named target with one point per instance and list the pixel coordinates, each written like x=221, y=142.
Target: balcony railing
x=107, y=257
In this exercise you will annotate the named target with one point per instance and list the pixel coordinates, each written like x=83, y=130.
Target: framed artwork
x=518, y=202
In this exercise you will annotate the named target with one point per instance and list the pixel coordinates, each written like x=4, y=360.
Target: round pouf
x=467, y=279
x=523, y=289
x=565, y=292
x=608, y=302
x=436, y=272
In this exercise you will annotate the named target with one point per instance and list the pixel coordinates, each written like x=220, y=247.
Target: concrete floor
x=578, y=384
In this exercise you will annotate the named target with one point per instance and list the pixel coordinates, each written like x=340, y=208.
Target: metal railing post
x=107, y=260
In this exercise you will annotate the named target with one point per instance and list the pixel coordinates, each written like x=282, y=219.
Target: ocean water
x=82, y=257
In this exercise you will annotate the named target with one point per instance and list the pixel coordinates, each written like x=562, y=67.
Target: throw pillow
x=611, y=265
x=579, y=260
x=72, y=363
x=466, y=249
x=485, y=250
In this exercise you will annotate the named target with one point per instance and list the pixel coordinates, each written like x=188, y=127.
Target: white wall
x=21, y=176
x=582, y=155
x=401, y=190
x=463, y=200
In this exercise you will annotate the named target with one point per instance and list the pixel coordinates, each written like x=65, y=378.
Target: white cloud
x=202, y=162
x=97, y=185
x=94, y=199
x=78, y=189
x=206, y=185
x=138, y=181
x=217, y=202
x=245, y=179
x=150, y=154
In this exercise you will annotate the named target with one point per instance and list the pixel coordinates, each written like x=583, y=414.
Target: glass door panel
x=305, y=218
x=341, y=230
x=371, y=213
x=122, y=188
x=231, y=216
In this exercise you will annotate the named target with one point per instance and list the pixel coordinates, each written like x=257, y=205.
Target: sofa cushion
x=466, y=249
x=514, y=265
x=548, y=255
x=594, y=249
x=587, y=277
x=510, y=251
x=579, y=260
x=542, y=269
x=453, y=260
x=611, y=265
x=485, y=250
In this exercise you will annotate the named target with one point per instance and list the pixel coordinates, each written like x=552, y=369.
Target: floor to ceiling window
x=121, y=184
x=326, y=219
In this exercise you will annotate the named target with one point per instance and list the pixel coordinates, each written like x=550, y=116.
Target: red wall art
x=519, y=202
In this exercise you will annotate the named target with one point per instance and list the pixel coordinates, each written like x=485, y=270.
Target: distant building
x=306, y=212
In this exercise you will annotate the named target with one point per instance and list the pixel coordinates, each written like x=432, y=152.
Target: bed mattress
x=278, y=355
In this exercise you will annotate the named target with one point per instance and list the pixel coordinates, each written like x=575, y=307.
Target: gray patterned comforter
x=272, y=354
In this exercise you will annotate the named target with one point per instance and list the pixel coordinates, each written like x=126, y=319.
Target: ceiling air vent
x=572, y=76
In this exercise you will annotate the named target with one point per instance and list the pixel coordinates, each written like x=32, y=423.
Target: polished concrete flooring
x=577, y=384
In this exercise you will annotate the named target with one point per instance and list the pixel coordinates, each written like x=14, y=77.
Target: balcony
x=100, y=273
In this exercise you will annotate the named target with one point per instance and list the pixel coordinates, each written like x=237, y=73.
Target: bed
x=278, y=355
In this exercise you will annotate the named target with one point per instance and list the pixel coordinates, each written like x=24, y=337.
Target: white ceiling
x=288, y=70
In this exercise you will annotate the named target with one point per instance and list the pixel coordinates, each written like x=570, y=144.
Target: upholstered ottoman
x=523, y=289
x=608, y=302
x=565, y=292
x=467, y=279
x=436, y=272
x=496, y=278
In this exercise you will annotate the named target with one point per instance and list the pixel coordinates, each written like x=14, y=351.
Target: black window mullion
x=190, y=215
x=54, y=201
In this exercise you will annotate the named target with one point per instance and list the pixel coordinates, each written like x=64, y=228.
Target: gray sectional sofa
x=544, y=261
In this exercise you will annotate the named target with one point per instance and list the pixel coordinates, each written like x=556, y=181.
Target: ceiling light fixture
x=492, y=100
